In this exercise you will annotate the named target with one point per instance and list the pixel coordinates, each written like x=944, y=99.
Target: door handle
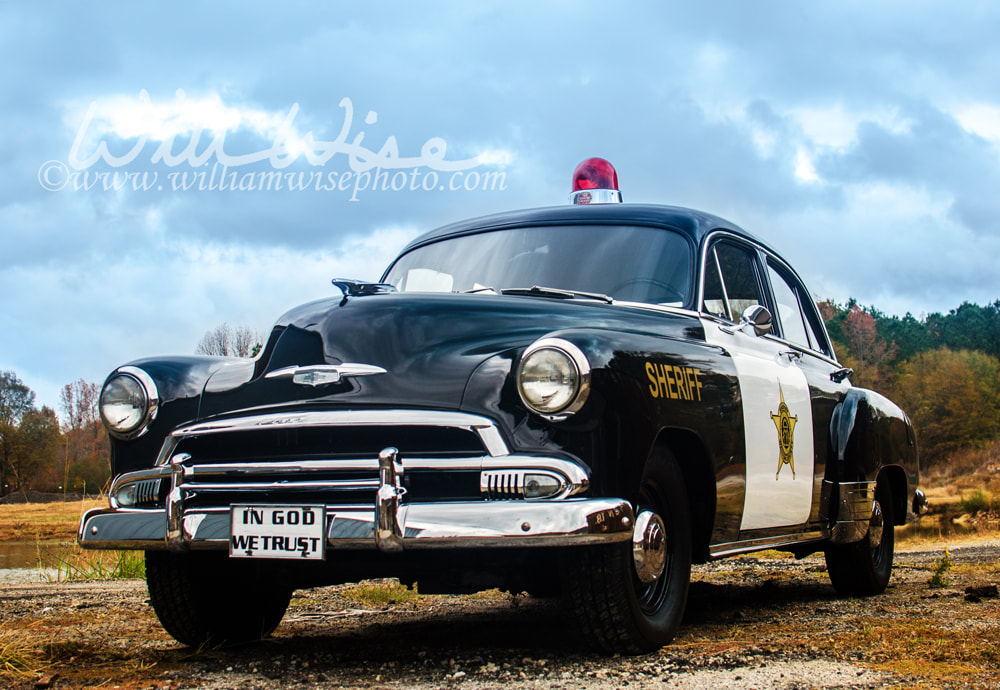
x=791, y=354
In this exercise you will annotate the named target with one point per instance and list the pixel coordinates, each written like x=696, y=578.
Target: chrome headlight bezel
x=576, y=362
x=149, y=409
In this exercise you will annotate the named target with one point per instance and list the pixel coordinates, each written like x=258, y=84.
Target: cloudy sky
x=861, y=139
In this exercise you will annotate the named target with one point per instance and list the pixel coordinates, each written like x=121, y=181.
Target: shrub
x=941, y=566
x=975, y=502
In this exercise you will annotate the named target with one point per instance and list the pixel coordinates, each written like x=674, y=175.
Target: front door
x=777, y=410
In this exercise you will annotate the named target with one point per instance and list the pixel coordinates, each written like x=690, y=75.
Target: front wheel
x=204, y=598
x=863, y=567
x=629, y=598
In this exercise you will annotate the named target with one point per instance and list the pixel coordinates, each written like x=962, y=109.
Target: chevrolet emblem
x=322, y=374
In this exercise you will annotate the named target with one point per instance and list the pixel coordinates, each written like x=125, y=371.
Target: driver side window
x=731, y=281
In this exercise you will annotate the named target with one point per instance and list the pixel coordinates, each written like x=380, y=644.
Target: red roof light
x=595, y=181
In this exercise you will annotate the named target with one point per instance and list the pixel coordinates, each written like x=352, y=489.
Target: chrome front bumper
x=169, y=520
x=421, y=525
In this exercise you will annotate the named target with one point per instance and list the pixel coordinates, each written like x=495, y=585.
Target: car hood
x=428, y=344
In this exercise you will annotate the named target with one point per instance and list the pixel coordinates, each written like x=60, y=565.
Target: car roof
x=694, y=224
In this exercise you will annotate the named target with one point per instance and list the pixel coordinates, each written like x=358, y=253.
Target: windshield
x=636, y=264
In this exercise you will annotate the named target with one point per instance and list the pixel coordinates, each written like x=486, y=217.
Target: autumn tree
x=16, y=400
x=224, y=341
x=868, y=352
x=953, y=398
x=36, y=447
x=829, y=310
x=86, y=453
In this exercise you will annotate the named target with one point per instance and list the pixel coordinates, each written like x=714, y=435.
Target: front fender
x=179, y=382
x=625, y=415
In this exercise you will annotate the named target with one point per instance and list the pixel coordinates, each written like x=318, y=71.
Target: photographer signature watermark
x=203, y=162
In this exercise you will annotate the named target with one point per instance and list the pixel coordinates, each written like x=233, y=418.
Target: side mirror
x=757, y=317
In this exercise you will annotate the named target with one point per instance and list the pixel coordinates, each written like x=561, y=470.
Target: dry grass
x=965, y=471
x=43, y=521
x=20, y=656
x=964, y=495
x=380, y=593
x=929, y=637
x=98, y=565
x=925, y=637
x=68, y=646
x=935, y=654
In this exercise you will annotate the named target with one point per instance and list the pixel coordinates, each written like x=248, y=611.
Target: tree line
x=70, y=453
x=942, y=369
x=39, y=452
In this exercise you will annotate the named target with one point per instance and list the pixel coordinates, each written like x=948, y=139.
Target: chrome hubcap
x=875, y=525
x=649, y=546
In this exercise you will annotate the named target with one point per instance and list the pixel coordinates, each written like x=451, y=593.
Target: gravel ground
x=752, y=622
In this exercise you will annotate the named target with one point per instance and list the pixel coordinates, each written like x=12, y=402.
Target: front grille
x=210, y=485
x=331, y=458
x=281, y=444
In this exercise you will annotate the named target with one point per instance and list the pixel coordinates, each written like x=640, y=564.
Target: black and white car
x=579, y=401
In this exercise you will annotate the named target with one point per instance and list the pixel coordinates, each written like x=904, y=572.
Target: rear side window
x=793, y=327
x=797, y=314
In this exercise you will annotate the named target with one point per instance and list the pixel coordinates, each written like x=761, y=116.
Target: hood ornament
x=322, y=374
x=360, y=288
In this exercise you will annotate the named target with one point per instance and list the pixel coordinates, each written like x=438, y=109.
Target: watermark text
x=196, y=157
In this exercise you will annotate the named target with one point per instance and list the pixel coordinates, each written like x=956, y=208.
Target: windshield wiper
x=538, y=291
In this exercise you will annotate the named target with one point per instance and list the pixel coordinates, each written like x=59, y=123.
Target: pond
x=945, y=527
x=24, y=561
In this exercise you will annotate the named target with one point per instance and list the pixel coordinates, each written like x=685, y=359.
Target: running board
x=763, y=543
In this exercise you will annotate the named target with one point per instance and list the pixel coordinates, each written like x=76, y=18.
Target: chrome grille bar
x=327, y=485
x=484, y=428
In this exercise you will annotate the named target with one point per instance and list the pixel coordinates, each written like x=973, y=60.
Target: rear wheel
x=863, y=567
x=629, y=598
x=204, y=598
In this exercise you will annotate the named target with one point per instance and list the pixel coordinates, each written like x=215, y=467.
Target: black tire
x=614, y=610
x=863, y=568
x=204, y=598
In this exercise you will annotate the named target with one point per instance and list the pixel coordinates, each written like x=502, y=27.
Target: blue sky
x=860, y=139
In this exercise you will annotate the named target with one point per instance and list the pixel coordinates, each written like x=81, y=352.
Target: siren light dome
x=595, y=181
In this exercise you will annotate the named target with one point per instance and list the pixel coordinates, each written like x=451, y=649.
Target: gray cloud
x=934, y=153
x=695, y=104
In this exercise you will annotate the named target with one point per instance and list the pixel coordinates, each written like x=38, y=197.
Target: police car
x=579, y=401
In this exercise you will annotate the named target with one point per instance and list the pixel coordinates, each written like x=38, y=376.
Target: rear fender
x=871, y=440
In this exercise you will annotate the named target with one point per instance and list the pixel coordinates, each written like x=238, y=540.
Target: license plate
x=272, y=531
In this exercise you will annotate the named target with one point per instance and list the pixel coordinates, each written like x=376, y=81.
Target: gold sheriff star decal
x=785, y=423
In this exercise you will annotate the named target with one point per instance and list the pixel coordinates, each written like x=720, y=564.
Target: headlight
x=553, y=378
x=128, y=403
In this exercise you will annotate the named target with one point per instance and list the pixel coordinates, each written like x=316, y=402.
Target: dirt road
x=763, y=621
